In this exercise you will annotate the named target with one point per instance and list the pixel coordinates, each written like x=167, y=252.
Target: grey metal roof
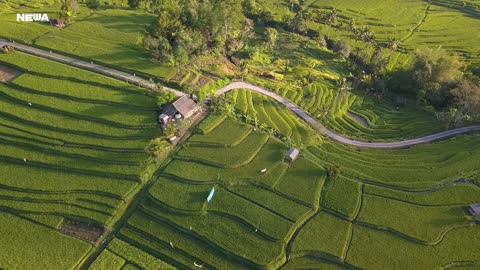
x=292, y=153
x=184, y=105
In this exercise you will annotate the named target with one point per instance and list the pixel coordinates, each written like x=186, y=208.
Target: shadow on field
x=198, y=196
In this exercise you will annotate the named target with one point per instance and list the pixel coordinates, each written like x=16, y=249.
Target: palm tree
x=367, y=36
x=393, y=44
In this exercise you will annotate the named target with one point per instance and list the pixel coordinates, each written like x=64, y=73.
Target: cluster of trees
x=437, y=80
x=190, y=27
x=441, y=83
x=68, y=9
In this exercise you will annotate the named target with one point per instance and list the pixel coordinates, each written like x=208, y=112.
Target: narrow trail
x=123, y=76
x=414, y=29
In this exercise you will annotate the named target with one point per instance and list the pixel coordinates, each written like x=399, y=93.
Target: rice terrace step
x=239, y=134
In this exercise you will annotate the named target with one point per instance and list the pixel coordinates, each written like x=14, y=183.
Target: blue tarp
x=210, y=196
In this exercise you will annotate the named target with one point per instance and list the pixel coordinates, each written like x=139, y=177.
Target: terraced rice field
x=268, y=112
x=445, y=23
x=72, y=149
x=295, y=211
x=249, y=209
x=376, y=121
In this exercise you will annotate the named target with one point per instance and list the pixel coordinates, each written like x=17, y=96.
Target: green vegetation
x=72, y=149
x=107, y=260
x=427, y=225
x=325, y=233
x=54, y=251
x=77, y=148
x=343, y=196
x=387, y=246
x=423, y=166
x=136, y=256
x=249, y=208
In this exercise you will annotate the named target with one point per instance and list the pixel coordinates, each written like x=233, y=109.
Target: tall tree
x=271, y=36
x=436, y=66
x=341, y=48
x=466, y=99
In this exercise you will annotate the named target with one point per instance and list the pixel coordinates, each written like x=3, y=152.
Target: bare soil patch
x=83, y=230
x=8, y=74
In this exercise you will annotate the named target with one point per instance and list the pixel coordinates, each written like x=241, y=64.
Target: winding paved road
x=319, y=127
x=123, y=76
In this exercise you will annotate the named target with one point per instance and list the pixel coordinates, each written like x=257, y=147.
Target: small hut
x=292, y=154
x=58, y=23
x=182, y=107
x=163, y=119
x=474, y=209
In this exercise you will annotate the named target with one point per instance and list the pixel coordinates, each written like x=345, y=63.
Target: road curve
x=321, y=128
x=123, y=76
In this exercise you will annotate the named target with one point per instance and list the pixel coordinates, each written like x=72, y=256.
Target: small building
x=57, y=22
x=172, y=139
x=163, y=119
x=185, y=106
x=292, y=154
x=474, y=209
x=477, y=220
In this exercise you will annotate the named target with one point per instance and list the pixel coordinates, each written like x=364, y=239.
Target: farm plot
x=230, y=157
x=72, y=154
x=228, y=133
x=429, y=224
x=343, y=196
x=26, y=245
x=457, y=246
x=458, y=194
x=7, y=74
x=324, y=234
x=303, y=181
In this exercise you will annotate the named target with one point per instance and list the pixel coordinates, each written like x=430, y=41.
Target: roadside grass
x=450, y=195
x=422, y=166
